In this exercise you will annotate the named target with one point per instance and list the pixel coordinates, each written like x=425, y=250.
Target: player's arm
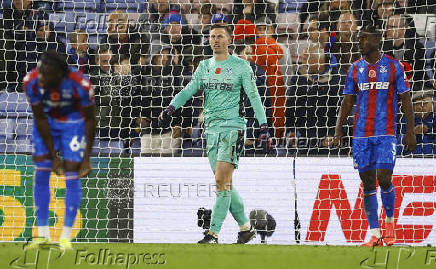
x=250, y=88
x=403, y=89
x=182, y=97
x=43, y=127
x=90, y=123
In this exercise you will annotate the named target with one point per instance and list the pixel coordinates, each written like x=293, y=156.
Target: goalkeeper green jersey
x=224, y=85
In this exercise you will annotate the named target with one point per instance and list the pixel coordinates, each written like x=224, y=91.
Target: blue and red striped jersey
x=377, y=87
x=63, y=104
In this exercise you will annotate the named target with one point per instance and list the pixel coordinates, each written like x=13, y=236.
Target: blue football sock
x=72, y=197
x=41, y=191
x=371, y=207
x=388, y=199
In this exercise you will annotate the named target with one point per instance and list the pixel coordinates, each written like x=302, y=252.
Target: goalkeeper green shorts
x=225, y=145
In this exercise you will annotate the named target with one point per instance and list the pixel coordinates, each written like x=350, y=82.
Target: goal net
x=139, y=54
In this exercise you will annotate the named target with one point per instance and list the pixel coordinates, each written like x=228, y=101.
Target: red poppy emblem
x=54, y=96
x=218, y=70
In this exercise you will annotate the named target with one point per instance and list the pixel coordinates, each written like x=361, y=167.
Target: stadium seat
x=7, y=128
x=14, y=104
x=125, y=6
x=68, y=22
x=78, y=5
x=23, y=127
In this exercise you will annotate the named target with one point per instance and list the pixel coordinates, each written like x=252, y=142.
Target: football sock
x=237, y=209
x=371, y=207
x=375, y=232
x=73, y=197
x=220, y=209
x=41, y=195
x=388, y=199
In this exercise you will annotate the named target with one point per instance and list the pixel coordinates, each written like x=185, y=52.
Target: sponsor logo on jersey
x=222, y=86
x=373, y=86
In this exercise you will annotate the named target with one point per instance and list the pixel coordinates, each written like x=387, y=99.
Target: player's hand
x=264, y=138
x=337, y=139
x=58, y=166
x=328, y=141
x=410, y=141
x=165, y=117
x=85, y=168
x=421, y=129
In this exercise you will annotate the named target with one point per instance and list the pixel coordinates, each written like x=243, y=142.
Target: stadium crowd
x=146, y=55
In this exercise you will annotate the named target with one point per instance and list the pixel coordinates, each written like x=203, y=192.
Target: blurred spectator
x=425, y=122
x=124, y=38
x=384, y=9
x=162, y=82
x=266, y=29
x=332, y=10
x=153, y=16
x=205, y=14
x=402, y=43
x=117, y=95
x=125, y=99
x=319, y=32
x=253, y=10
x=45, y=39
x=180, y=37
x=20, y=25
x=267, y=53
x=101, y=76
x=81, y=56
x=346, y=48
x=309, y=9
x=312, y=103
x=246, y=52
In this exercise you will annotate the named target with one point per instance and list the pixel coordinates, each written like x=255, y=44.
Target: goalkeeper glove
x=264, y=138
x=164, y=119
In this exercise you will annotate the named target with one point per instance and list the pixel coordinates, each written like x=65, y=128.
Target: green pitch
x=180, y=256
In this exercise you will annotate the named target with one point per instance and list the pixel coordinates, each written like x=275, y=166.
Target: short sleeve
x=402, y=85
x=86, y=92
x=31, y=90
x=350, y=85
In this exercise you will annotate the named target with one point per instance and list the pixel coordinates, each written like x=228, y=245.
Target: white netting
x=139, y=54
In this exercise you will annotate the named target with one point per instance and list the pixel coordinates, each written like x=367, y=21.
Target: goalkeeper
x=224, y=78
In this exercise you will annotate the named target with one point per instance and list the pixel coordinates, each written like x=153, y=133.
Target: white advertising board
x=169, y=191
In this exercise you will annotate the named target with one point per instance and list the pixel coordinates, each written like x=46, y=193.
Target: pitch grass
x=192, y=256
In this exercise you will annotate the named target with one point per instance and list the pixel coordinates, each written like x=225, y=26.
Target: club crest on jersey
x=383, y=69
x=372, y=74
x=218, y=70
x=229, y=71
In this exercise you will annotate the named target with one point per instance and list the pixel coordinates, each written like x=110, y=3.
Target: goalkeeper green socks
x=237, y=209
x=219, y=212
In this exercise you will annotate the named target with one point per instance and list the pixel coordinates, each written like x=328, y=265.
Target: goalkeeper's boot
x=65, y=244
x=373, y=242
x=208, y=239
x=38, y=242
x=246, y=236
x=389, y=237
